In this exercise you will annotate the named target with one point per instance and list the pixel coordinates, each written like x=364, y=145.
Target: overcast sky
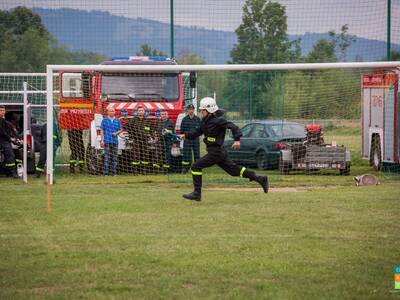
x=366, y=18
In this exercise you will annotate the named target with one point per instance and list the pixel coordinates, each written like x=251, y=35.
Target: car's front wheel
x=261, y=160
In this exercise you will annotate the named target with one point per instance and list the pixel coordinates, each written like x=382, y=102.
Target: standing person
x=135, y=128
x=43, y=147
x=167, y=128
x=17, y=133
x=190, y=123
x=110, y=129
x=154, y=145
x=77, y=148
x=213, y=126
x=6, y=138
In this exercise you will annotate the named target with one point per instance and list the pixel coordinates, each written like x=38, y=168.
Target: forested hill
x=107, y=34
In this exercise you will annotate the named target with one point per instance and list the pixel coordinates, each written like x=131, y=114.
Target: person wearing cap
x=213, y=126
x=191, y=146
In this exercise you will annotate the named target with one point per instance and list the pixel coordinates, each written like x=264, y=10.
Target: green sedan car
x=262, y=141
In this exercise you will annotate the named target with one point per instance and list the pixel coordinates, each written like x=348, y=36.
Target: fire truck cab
x=380, y=118
x=85, y=96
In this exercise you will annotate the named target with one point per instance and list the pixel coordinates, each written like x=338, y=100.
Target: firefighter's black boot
x=262, y=180
x=12, y=172
x=196, y=194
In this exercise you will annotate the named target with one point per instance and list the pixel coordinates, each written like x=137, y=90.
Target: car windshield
x=290, y=130
x=143, y=87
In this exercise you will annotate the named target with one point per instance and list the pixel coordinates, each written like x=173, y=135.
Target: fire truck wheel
x=375, y=156
x=94, y=161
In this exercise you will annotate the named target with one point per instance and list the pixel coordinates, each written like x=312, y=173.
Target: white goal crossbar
x=183, y=68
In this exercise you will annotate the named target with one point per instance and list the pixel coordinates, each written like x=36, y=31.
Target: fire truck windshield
x=140, y=87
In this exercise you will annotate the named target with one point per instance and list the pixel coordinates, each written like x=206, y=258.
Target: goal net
x=328, y=119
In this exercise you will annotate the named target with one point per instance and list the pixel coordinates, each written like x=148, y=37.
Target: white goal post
x=51, y=69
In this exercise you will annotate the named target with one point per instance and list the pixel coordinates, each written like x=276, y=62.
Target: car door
x=241, y=154
x=257, y=139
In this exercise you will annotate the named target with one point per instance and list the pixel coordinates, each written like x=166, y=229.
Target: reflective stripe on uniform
x=211, y=139
x=10, y=165
x=39, y=169
x=18, y=160
x=242, y=171
x=147, y=128
x=166, y=166
x=72, y=161
x=81, y=161
x=135, y=163
x=197, y=173
x=145, y=162
x=185, y=162
x=156, y=165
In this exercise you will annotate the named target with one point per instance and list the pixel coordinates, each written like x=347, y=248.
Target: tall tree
x=146, y=50
x=186, y=57
x=27, y=46
x=343, y=40
x=262, y=35
x=323, y=51
x=324, y=93
x=24, y=19
x=395, y=55
x=261, y=38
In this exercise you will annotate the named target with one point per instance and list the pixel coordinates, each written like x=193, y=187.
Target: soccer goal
x=126, y=119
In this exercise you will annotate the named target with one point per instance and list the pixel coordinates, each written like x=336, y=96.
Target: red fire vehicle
x=85, y=96
x=380, y=118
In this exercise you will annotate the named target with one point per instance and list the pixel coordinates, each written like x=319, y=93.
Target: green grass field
x=312, y=237
x=134, y=237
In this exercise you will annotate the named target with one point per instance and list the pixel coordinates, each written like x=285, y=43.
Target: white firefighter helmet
x=208, y=104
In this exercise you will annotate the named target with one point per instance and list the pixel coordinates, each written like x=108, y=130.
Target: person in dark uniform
x=153, y=144
x=132, y=127
x=6, y=138
x=43, y=147
x=138, y=129
x=167, y=130
x=17, y=133
x=77, y=147
x=213, y=126
x=190, y=123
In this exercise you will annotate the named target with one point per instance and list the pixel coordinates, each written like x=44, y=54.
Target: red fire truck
x=85, y=97
x=380, y=118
